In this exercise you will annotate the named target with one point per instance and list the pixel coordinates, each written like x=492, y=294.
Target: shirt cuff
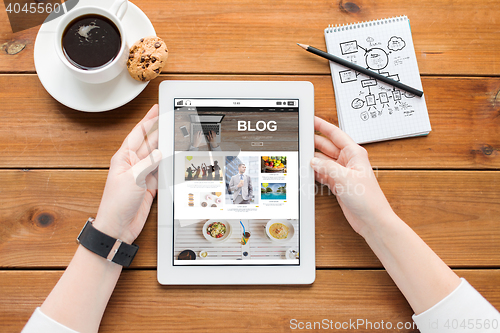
x=217, y=147
x=464, y=310
x=41, y=323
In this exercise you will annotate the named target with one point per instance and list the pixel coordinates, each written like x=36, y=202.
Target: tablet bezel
x=305, y=272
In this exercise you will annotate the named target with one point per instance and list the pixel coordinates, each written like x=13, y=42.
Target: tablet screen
x=236, y=182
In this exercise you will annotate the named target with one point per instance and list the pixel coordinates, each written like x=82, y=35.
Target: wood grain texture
x=38, y=132
x=140, y=304
x=235, y=36
x=455, y=212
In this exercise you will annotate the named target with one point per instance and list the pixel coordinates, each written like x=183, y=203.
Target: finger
x=136, y=137
x=339, y=138
x=145, y=166
x=327, y=167
x=322, y=156
x=322, y=179
x=326, y=146
x=152, y=184
x=155, y=174
x=149, y=144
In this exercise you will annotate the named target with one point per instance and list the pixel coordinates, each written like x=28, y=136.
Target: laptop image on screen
x=205, y=124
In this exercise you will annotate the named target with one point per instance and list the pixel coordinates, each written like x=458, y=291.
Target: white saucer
x=76, y=94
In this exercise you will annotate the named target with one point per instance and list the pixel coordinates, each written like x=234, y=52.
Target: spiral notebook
x=369, y=110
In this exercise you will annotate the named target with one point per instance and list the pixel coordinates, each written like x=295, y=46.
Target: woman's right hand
x=343, y=165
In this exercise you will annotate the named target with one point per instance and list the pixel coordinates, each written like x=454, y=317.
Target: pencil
x=360, y=69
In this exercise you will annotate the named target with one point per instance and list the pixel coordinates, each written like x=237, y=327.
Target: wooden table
x=446, y=186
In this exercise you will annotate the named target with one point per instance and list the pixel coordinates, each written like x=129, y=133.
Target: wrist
x=88, y=256
x=106, y=246
x=112, y=228
x=377, y=225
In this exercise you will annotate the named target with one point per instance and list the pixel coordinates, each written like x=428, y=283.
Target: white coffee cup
x=102, y=74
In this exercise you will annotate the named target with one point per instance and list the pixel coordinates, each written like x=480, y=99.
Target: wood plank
x=140, y=304
x=456, y=212
x=234, y=36
x=39, y=132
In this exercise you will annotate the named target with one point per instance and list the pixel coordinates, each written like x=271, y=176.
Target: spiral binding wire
x=363, y=24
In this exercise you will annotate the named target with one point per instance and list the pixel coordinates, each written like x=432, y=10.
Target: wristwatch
x=112, y=249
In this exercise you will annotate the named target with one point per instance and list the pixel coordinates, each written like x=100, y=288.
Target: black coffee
x=91, y=41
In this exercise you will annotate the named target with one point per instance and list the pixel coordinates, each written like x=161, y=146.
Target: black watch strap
x=106, y=246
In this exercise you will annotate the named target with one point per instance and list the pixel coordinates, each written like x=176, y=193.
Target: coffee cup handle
x=119, y=8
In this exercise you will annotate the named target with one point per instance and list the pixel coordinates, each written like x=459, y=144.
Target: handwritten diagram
x=374, y=99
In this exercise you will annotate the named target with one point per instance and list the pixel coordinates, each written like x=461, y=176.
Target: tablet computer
x=236, y=190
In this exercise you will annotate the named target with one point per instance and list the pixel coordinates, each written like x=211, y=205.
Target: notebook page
x=370, y=110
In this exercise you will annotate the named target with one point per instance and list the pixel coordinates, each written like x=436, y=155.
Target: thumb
x=145, y=166
x=328, y=167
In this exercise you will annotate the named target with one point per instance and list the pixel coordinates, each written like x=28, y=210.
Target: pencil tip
x=303, y=46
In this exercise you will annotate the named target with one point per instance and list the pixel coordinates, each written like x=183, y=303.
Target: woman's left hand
x=131, y=184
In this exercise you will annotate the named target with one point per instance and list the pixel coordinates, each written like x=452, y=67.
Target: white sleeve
x=41, y=323
x=464, y=310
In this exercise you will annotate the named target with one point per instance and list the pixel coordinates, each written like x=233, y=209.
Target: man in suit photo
x=241, y=186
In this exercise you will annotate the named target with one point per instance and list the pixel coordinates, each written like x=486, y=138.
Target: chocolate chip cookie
x=147, y=58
